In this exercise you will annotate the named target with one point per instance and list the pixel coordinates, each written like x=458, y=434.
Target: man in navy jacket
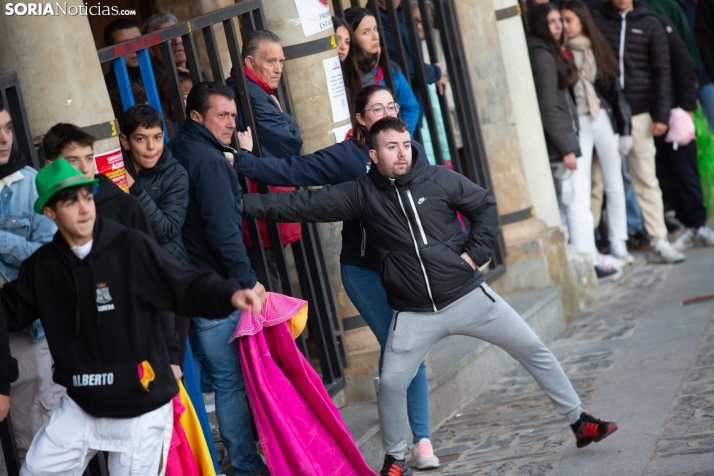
x=213, y=236
x=277, y=131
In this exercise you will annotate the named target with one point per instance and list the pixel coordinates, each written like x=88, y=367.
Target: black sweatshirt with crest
x=101, y=315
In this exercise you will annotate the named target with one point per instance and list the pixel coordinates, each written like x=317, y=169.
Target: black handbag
x=573, y=135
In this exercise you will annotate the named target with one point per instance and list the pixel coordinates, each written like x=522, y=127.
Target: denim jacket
x=22, y=231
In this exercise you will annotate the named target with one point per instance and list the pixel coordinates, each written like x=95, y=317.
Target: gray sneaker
x=704, y=236
x=685, y=240
x=664, y=253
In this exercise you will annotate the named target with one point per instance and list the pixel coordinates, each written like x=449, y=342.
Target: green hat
x=55, y=177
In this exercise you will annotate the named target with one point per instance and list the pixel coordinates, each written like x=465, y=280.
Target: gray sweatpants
x=481, y=314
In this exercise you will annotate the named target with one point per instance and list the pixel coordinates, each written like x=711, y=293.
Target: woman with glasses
x=338, y=163
x=365, y=51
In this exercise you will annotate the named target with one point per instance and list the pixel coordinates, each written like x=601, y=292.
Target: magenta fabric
x=301, y=431
x=180, y=461
x=278, y=308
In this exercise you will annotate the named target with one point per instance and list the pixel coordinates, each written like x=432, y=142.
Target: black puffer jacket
x=645, y=59
x=684, y=71
x=412, y=224
x=163, y=194
x=615, y=104
x=557, y=108
x=114, y=204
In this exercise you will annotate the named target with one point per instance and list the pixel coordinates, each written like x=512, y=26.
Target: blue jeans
x=365, y=290
x=706, y=98
x=199, y=359
x=634, y=214
x=232, y=408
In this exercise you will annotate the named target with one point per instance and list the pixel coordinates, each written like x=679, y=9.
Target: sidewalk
x=637, y=357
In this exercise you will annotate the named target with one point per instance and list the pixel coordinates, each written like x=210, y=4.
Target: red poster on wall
x=111, y=164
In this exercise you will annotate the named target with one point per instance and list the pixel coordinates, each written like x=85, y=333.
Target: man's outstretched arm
x=331, y=203
x=166, y=284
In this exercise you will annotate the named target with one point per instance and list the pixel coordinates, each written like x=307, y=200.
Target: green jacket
x=673, y=11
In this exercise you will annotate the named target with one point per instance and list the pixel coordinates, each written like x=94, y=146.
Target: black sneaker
x=640, y=240
x=604, y=273
x=588, y=430
x=395, y=467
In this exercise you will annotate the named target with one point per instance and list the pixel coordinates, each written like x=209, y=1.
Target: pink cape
x=301, y=431
x=180, y=461
x=278, y=308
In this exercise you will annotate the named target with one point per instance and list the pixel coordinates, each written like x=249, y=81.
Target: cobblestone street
x=636, y=357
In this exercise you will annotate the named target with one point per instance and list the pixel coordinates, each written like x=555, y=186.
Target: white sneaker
x=209, y=401
x=423, y=455
x=685, y=240
x=704, y=236
x=663, y=252
x=619, y=250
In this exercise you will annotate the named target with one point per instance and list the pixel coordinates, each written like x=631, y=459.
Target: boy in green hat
x=97, y=289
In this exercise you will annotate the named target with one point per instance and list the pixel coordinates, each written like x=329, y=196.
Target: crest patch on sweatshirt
x=104, y=299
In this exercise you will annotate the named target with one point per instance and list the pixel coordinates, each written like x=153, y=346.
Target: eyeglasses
x=378, y=109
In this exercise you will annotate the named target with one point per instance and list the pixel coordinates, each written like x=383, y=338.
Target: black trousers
x=679, y=179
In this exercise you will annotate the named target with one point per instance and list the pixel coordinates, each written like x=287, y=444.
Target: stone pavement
x=637, y=357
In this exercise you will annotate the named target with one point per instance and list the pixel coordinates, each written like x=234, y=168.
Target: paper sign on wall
x=341, y=132
x=336, y=89
x=111, y=164
x=314, y=16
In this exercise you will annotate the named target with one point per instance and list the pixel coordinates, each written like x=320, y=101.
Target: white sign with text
x=314, y=16
x=336, y=89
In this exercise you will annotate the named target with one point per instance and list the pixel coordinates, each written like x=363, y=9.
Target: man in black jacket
x=639, y=41
x=677, y=165
x=430, y=271
x=97, y=288
x=213, y=236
